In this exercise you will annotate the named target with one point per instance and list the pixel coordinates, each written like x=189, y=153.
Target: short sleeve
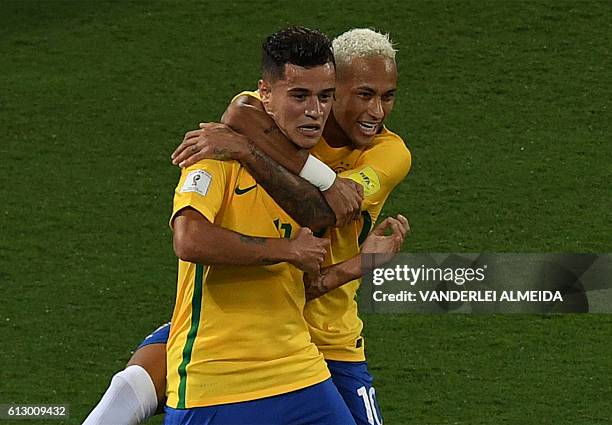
x=201, y=187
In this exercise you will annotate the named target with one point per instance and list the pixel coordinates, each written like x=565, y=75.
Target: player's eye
x=299, y=96
x=325, y=98
x=364, y=95
x=388, y=97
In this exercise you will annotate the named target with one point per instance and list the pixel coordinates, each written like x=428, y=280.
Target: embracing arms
x=379, y=246
x=251, y=137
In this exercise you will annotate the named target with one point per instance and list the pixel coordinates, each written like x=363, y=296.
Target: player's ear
x=264, y=91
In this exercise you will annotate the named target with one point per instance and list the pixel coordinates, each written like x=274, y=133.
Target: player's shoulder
x=389, y=140
x=387, y=136
x=389, y=149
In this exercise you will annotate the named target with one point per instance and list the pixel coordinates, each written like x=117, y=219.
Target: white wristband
x=317, y=173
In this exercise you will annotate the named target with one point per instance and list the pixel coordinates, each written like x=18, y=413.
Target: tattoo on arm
x=252, y=240
x=300, y=199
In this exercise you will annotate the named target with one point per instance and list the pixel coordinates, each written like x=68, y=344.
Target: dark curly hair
x=294, y=45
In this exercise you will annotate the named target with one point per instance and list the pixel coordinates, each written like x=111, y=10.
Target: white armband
x=317, y=173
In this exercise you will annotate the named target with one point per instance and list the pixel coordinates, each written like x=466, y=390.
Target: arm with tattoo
x=300, y=199
x=296, y=196
x=197, y=240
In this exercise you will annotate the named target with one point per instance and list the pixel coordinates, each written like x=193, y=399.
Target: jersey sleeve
x=379, y=169
x=201, y=187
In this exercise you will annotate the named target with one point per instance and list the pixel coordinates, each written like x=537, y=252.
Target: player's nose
x=375, y=109
x=314, y=109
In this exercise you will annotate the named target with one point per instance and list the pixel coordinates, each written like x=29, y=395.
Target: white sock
x=129, y=399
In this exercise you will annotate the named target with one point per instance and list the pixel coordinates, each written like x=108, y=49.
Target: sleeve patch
x=197, y=181
x=368, y=178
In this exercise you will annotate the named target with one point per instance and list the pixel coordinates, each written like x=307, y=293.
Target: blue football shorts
x=319, y=404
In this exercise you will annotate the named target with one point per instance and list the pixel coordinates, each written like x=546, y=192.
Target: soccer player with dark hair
x=239, y=349
x=359, y=157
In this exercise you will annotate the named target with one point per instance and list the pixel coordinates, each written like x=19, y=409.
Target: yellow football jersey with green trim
x=238, y=333
x=333, y=321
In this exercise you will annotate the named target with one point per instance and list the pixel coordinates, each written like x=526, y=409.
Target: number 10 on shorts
x=369, y=401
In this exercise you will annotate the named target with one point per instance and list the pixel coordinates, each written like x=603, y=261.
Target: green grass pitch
x=505, y=106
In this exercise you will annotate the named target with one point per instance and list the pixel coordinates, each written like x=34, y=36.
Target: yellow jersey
x=238, y=333
x=333, y=321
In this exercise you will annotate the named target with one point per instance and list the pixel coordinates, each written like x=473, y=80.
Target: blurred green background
x=505, y=106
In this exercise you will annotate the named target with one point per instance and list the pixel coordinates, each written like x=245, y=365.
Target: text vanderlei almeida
x=459, y=276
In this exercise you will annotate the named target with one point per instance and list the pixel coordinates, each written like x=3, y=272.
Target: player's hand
x=386, y=246
x=307, y=252
x=212, y=141
x=344, y=198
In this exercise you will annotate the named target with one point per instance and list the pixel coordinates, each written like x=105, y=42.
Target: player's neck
x=333, y=133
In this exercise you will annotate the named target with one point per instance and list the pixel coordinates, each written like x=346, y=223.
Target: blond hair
x=362, y=42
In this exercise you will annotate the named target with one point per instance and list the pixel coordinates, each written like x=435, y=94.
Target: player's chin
x=305, y=142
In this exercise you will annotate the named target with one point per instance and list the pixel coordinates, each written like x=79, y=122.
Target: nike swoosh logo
x=239, y=191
